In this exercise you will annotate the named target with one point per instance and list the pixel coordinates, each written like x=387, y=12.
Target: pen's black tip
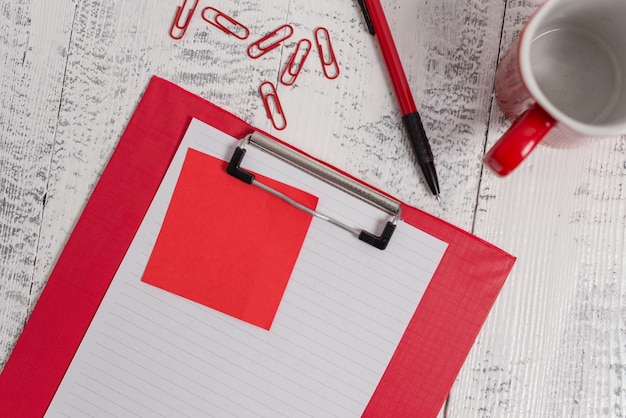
x=366, y=15
x=430, y=174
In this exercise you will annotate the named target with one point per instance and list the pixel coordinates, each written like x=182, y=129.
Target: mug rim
x=526, y=39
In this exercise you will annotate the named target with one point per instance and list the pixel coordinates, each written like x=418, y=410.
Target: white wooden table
x=72, y=72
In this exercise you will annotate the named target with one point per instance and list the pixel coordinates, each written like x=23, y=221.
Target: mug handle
x=519, y=140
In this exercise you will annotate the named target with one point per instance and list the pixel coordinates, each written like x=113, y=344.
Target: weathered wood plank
x=33, y=46
x=556, y=342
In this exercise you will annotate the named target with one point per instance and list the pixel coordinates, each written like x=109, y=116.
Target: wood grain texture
x=555, y=344
x=33, y=46
x=73, y=71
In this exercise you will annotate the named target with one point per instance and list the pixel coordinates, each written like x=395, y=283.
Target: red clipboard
x=423, y=367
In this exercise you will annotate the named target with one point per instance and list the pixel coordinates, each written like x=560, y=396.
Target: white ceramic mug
x=563, y=82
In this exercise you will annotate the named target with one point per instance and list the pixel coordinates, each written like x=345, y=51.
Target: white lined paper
x=152, y=353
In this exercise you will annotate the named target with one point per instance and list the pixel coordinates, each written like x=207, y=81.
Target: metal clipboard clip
x=324, y=173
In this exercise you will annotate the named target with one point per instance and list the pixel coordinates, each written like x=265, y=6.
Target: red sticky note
x=226, y=244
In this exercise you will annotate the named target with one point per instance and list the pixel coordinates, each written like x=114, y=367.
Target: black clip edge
x=233, y=167
x=381, y=241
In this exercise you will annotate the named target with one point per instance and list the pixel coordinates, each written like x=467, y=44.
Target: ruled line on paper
x=143, y=361
x=100, y=410
x=123, y=370
x=279, y=357
x=346, y=294
x=186, y=364
x=191, y=355
x=82, y=411
x=96, y=382
x=281, y=353
x=130, y=362
x=342, y=315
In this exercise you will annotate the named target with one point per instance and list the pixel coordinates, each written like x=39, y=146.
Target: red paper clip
x=225, y=23
x=272, y=105
x=330, y=66
x=176, y=27
x=274, y=38
x=295, y=62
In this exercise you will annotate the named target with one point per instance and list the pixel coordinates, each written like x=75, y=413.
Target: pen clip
x=296, y=62
x=230, y=26
x=178, y=15
x=366, y=15
x=274, y=38
x=330, y=66
x=272, y=105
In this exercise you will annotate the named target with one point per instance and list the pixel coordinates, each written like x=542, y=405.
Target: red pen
x=378, y=26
